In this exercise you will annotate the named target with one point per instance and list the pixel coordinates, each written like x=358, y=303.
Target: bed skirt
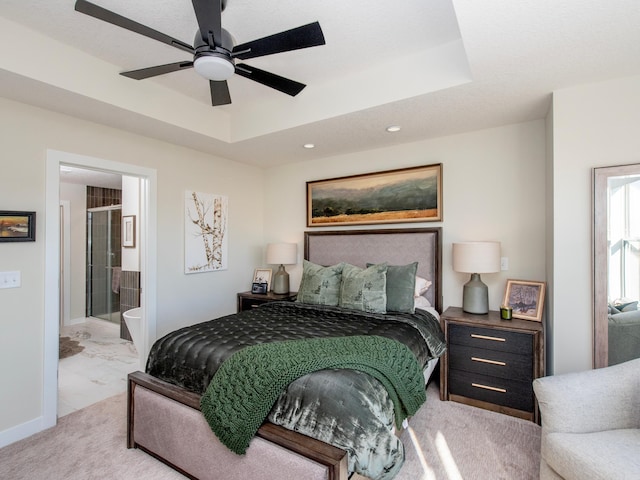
x=165, y=421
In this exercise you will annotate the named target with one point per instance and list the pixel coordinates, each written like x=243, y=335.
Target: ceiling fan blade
x=158, y=70
x=284, y=85
x=100, y=13
x=208, y=13
x=219, y=93
x=302, y=37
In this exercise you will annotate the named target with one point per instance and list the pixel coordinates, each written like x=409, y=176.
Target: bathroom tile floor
x=99, y=371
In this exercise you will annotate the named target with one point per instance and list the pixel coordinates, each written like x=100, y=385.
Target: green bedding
x=350, y=409
x=246, y=386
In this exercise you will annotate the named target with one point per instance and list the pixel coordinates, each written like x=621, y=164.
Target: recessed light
x=393, y=128
x=65, y=169
x=309, y=145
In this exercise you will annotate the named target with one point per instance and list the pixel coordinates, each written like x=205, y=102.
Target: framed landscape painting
x=17, y=226
x=393, y=196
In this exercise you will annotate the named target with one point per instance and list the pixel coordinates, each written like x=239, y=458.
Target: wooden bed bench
x=165, y=421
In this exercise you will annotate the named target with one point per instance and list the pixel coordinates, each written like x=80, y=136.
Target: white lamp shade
x=282, y=253
x=476, y=257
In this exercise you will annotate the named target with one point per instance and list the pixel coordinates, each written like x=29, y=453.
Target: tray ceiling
x=434, y=67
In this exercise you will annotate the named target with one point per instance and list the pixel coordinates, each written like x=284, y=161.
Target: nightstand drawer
x=491, y=339
x=249, y=303
x=494, y=363
x=499, y=391
x=491, y=363
x=249, y=300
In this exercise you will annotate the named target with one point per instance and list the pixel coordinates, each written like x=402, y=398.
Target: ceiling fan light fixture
x=214, y=67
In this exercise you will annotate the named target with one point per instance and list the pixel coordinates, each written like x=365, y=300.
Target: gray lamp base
x=280, y=281
x=475, y=296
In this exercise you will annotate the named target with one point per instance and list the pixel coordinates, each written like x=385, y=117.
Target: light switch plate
x=10, y=279
x=504, y=263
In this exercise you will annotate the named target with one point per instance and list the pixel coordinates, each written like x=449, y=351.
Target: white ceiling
x=435, y=67
x=92, y=178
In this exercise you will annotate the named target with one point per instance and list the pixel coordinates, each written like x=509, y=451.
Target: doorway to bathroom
x=104, y=262
x=95, y=354
x=146, y=252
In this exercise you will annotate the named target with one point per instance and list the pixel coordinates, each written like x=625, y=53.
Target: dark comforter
x=346, y=408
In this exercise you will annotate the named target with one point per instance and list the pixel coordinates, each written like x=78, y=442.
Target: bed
x=165, y=408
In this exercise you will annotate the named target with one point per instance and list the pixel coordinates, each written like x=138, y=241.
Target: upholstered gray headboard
x=394, y=246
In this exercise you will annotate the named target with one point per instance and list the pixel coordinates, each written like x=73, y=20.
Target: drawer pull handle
x=492, y=362
x=486, y=387
x=485, y=337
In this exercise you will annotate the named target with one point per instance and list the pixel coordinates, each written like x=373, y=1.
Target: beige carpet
x=451, y=441
x=447, y=441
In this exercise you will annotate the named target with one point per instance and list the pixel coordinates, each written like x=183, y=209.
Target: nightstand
x=491, y=363
x=247, y=300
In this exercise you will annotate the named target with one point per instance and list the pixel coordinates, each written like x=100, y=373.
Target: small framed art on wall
x=17, y=226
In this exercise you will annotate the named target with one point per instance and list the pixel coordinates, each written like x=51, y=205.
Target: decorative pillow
x=613, y=310
x=320, y=285
x=625, y=305
x=421, y=302
x=364, y=290
x=401, y=283
x=422, y=285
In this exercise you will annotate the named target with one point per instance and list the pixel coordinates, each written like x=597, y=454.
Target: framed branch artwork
x=205, y=242
x=393, y=196
x=526, y=298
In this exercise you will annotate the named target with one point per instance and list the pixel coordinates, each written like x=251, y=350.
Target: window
x=624, y=237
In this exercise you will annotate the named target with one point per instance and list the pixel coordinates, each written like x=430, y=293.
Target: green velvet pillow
x=320, y=285
x=364, y=290
x=401, y=284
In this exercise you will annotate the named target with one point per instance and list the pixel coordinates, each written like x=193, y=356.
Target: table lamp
x=476, y=258
x=283, y=254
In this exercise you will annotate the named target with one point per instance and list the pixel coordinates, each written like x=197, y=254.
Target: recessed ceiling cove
x=214, y=50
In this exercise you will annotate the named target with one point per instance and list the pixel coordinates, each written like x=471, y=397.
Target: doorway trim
x=65, y=260
x=148, y=255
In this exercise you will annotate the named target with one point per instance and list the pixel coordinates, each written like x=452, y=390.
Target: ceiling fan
x=213, y=50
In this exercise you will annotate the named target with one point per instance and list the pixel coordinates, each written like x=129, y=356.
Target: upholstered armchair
x=591, y=423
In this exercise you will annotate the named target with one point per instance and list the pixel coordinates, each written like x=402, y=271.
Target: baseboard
x=19, y=432
x=75, y=321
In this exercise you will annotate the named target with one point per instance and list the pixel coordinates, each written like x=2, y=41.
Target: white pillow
x=422, y=285
x=421, y=302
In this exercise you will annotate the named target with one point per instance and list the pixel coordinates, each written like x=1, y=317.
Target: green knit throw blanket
x=246, y=386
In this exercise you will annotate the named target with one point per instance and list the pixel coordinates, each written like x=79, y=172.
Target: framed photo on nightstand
x=525, y=298
x=262, y=275
x=259, y=288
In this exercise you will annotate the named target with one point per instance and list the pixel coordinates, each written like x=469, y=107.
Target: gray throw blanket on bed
x=246, y=386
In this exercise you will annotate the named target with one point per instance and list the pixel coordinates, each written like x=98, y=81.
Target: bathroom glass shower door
x=103, y=262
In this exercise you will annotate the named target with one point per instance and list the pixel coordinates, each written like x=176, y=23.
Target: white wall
x=25, y=135
x=131, y=206
x=548, y=316
x=77, y=197
x=496, y=186
x=493, y=188
x=594, y=125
